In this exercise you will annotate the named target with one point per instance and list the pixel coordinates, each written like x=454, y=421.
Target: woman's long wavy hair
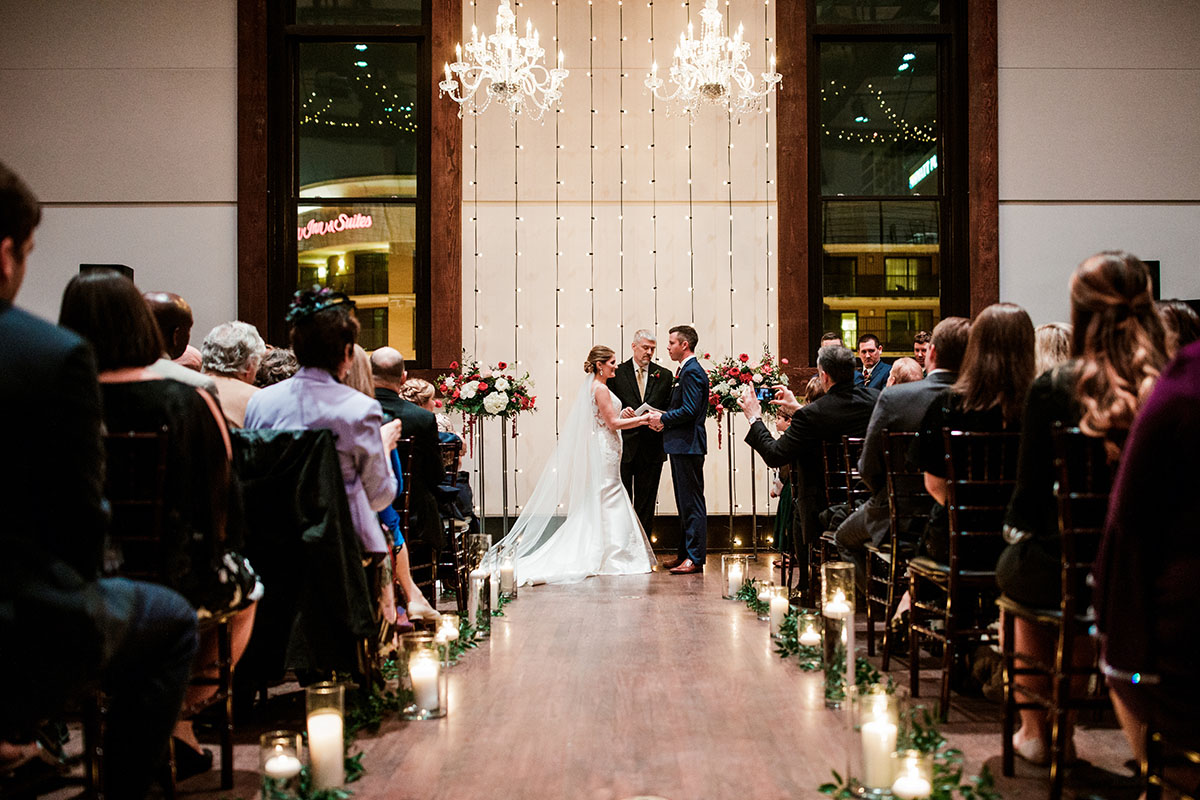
x=998, y=366
x=1119, y=342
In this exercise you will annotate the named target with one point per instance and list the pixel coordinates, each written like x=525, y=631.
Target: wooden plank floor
x=642, y=685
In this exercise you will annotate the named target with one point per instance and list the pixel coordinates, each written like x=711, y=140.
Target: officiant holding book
x=641, y=381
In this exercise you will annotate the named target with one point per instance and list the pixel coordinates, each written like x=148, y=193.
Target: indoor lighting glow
x=909, y=56
x=902, y=67
x=360, y=47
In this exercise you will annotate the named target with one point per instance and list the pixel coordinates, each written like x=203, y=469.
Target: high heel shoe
x=419, y=609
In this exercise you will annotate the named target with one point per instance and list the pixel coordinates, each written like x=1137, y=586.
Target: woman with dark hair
x=1117, y=352
x=323, y=334
x=1180, y=322
x=199, y=536
x=988, y=396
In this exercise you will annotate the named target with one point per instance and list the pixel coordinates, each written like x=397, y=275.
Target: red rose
x=746, y=378
x=501, y=365
x=707, y=356
x=482, y=387
x=733, y=372
x=783, y=361
x=713, y=399
x=437, y=403
x=743, y=358
x=455, y=395
x=453, y=365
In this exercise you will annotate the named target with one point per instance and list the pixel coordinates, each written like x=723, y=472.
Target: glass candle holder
x=508, y=575
x=875, y=726
x=475, y=549
x=479, y=601
x=734, y=569
x=777, y=609
x=325, y=703
x=279, y=762
x=837, y=609
x=447, y=633
x=424, y=676
x=913, y=775
x=764, y=589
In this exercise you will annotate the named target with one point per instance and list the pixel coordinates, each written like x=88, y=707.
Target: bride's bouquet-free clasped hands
x=478, y=391
x=731, y=376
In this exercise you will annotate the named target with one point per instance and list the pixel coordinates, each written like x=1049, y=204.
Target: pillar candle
x=475, y=583
x=779, y=609
x=735, y=580
x=424, y=671
x=494, y=590
x=326, y=749
x=507, y=576
x=878, y=744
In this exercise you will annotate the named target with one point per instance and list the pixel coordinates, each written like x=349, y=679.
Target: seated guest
x=174, y=318
x=904, y=370
x=387, y=366
x=874, y=372
x=359, y=378
x=812, y=390
x=420, y=392
x=1180, y=322
x=921, y=347
x=1146, y=592
x=1117, y=353
x=899, y=409
x=277, y=365
x=1052, y=345
x=231, y=355
x=988, y=396
x=199, y=536
x=843, y=410
x=323, y=332
x=191, y=358
x=831, y=337
x=62, y=627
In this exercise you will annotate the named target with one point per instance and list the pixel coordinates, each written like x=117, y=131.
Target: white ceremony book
x=645, y=407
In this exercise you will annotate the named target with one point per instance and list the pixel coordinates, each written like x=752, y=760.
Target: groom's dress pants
x=687, y=472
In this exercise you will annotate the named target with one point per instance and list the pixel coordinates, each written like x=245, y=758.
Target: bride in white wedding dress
x=578, y=521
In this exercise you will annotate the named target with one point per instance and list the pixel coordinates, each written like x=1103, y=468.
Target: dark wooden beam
x=790, y=107
x=983, y=196
x=445, y=196
x=252, y=216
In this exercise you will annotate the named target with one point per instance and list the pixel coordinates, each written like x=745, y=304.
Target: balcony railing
x=881, y=286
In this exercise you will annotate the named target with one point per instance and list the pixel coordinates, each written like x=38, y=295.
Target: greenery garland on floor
x=749, y=594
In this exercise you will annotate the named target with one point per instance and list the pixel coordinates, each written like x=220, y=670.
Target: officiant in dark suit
x=641, y=380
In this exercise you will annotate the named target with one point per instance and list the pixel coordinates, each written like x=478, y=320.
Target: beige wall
x=1099, y=146
x=121, y=115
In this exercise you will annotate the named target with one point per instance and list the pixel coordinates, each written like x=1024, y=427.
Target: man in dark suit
x=62, y=627
x=874, y=373
x=843, y=410
x=685, y=441
x=899, y=408
x=387, y=369
x=641, y=380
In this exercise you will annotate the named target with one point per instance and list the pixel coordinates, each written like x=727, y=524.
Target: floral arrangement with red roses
x=730, y=376
x=476, y=390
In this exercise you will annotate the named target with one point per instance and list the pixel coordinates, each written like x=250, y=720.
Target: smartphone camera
x=766, y=395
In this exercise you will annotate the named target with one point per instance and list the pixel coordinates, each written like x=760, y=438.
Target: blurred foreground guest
x=1117, y=353
x=1052, y=345
x=904, y=370
x=277, y=365
x=62, y=628
x=202, y=524
x=1180, y=322
x=231, y=355
x=1146, y=592
x=173, y=316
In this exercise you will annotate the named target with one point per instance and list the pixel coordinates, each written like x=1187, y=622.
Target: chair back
x=451, y=453
x=404, y=452
x=981, y=471
x=857, y=492
x=834, y=455
x=135, y=486
x=1083, y=480
x=908, y=502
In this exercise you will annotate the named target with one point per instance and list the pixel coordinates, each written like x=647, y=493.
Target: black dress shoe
x=190, y=762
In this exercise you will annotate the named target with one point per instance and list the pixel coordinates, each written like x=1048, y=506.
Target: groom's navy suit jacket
x=683, y=424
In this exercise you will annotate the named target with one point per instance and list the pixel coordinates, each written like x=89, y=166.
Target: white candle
x=779, y=609
x=508, y=576
x=810, y=638
x=837, y=608
x=326, y=749
x=735, y=579
x=447, y=632
x=476, y=584
x=878, y=744
x=494, y=590
x=423, y=670
x=911, y=787
x=281, y=766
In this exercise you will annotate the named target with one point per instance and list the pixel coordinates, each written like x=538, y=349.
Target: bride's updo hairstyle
x=599, y=354
x=1119, y=341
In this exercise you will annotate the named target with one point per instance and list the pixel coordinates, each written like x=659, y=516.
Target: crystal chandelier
x=511, y=68
x=712, y=71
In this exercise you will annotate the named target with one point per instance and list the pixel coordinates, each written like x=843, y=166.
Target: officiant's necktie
x=642, y=383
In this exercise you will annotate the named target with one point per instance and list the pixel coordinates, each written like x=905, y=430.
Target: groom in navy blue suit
x=685, y=442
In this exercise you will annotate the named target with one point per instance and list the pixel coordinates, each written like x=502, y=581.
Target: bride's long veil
x=569, y=485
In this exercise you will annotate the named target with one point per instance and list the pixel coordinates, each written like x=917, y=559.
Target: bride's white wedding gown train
x=579, y=521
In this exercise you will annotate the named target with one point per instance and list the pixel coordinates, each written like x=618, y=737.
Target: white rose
x=758, y=379
x=501, y=384
x=495, y=402
x=468, y=390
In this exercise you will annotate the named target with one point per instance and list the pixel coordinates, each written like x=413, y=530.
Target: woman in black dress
x=1117, y=349
x=202, y=524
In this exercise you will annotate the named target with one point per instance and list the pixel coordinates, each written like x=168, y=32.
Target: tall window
x=354, y=156
x=882, y=204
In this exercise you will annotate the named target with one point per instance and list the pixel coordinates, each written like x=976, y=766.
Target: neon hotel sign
x=342, y=222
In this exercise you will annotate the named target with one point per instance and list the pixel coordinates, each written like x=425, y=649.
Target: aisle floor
x=646, y=685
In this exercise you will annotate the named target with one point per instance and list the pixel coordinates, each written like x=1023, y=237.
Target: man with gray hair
x=640, y=381
x=230, y=356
